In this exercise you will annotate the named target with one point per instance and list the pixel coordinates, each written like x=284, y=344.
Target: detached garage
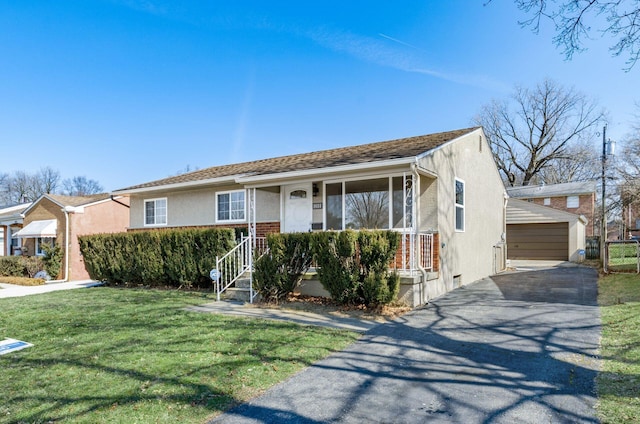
x=539, y=232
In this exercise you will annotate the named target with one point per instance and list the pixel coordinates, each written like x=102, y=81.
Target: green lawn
x=124, y=355
x=619, y=381
x=622, y=257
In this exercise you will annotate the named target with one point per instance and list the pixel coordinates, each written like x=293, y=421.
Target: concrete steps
x=241, y=291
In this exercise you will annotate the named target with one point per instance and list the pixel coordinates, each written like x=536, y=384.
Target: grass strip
x=619, y=381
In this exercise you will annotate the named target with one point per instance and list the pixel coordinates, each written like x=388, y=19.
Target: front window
x=377, y=203
x=573, y=202
x=230, y=206
x=155, y=212
x=459, y=205
x=367, y=204
x=41, y=241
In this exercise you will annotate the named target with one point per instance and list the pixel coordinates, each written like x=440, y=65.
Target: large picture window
x=230, y=206
x=459, y=205
x=377, y=203
x=155, y=212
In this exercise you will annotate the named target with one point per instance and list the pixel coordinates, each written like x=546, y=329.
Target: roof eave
x=186, y=184
x=256, y=179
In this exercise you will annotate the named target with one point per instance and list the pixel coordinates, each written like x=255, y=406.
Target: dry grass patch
x=22, y=281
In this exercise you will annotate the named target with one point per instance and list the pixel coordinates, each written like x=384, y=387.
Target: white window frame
x=574, y=200
x=458, y=206
x=155, y=216
x=343, y=181
x=38, y=244
x=547, y=201
x=244, y=209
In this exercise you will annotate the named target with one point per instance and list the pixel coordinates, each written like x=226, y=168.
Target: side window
x=155, y=212
x=230, y=206
x=459, y=204
x=573, y=202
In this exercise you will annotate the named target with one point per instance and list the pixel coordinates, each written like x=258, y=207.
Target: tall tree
x=81, y=186
x=628, y=167
x=577, y=20
x=535, y=129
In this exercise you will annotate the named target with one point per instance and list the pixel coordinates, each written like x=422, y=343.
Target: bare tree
x=628, y=167
x=81, y=186
x=45, y=181
x=535, y=129
x=577, y=20
x=367, y=210
x=582, y=163
x=22, y=186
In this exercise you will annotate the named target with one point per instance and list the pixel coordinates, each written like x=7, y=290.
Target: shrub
x=12, y=266
x=52, y=260
x=181, y=257
x=280, y=270
x=20, y=266
x=354, y=266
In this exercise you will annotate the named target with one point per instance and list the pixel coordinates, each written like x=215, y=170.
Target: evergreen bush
x=354, y=266
x=52, y=260
x=181, y=257
x=12, y=266
x=280, y=270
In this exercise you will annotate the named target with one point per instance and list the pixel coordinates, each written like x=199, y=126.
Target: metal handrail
x=232, y=265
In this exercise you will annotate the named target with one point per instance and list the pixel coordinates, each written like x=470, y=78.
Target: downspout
x=66, y=248
x=119, y=202
x=416, y=188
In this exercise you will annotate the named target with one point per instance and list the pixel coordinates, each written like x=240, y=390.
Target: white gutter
x=322, y=171
x=66, y=211
x=186, y=184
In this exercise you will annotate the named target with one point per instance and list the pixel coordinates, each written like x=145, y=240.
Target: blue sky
x=129, y=91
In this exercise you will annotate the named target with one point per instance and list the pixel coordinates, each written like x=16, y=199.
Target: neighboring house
x=578, y=198
x=543, y=233
x=442, y=192
x=10, y=223
x=56, y=219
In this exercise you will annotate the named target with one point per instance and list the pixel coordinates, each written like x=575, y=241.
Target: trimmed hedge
x=354, y=266
x=280, y=270
x=181, y=257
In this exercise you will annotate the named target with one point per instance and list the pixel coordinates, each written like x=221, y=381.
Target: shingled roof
x=364, y=153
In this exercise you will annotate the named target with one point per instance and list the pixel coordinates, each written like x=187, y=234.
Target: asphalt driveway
x=520, y=347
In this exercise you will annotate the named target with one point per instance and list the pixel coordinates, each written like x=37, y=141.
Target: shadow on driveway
x=485, y=353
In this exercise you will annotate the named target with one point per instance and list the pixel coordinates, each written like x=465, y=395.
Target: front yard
x=619, y=381
x=115, y=355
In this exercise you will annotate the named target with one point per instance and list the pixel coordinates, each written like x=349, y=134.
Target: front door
x=297, y=208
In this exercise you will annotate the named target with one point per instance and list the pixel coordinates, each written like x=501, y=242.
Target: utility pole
x=607, y=149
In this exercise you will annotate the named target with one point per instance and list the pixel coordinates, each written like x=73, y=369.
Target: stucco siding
x=198, y=207
x=469, y=255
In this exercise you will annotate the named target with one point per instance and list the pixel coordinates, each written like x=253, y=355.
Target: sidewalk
x=12, y=290
x=299, y=317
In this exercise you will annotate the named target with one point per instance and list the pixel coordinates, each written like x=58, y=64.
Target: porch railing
x=416, y=251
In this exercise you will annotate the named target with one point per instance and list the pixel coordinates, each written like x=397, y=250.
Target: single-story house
x=57, y=219
x=543, y=233
x=578, y=198
x=441, y=191
x=11, y=222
